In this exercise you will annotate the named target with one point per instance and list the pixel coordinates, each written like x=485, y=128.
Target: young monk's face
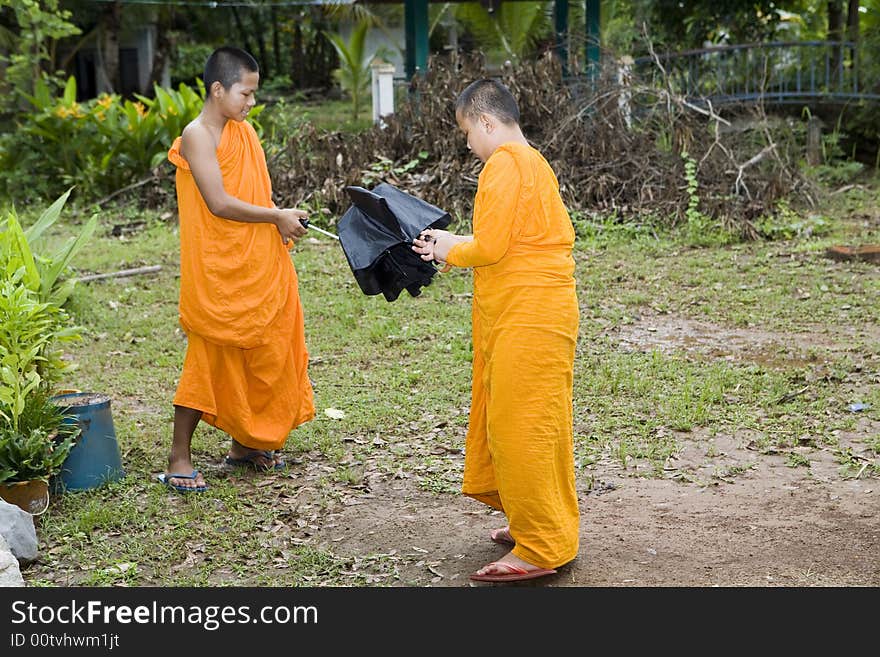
x=479, y=133
x=240, y=98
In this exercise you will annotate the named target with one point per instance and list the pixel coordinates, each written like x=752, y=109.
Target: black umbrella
x=376, y=234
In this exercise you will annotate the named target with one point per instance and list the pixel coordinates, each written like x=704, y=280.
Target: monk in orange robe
x=519, y=454
x=245, y=370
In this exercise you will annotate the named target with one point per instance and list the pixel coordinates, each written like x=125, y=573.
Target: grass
x=400, y=372
x=332, y=115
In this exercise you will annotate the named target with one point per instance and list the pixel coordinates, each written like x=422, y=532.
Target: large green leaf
x=62, y=259
x=25, y=255
x=70, y=91
x=47, y=218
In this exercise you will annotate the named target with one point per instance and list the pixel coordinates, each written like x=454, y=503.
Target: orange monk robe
x=246, y=360
x=519, y=453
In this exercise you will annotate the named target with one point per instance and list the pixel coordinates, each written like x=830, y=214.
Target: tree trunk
x=321, y=57
x=852, y=21
x=243, y=33
x=265, y=64
x=297, y=64
x=164, y=46
x=852, y=29
x=109, y=45
x=276, y=40
x=835, y=33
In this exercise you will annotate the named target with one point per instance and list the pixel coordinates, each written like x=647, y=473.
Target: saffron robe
x=519, y=453
x=246, y=360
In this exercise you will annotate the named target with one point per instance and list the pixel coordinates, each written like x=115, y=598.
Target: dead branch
x=603, y=165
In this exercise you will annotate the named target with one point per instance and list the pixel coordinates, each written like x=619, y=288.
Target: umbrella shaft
x=321, y=230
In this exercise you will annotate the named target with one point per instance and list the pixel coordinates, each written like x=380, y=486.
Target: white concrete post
x=624, y=81
x=383, y=90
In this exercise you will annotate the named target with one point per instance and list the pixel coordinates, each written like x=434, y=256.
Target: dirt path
x=773, y=525
x=767, y=524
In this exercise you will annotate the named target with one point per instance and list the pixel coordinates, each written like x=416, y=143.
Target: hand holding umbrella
x=305, y=222
x=434, y=245
x=377, y=234
x=291, y=224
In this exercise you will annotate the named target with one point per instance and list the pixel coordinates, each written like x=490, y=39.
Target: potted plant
x=35, y=435
x=33, y=451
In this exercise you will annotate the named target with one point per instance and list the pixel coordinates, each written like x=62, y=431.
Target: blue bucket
x=94, y=459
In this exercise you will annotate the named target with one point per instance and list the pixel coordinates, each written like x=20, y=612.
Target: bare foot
x=183, y=467
x=502, y=536
x=258, y=459
x=506, y=565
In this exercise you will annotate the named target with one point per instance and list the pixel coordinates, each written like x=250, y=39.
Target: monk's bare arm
x=198, y=148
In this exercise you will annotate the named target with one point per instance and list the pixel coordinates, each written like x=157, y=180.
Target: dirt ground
x=775, y=526
x=769, y=525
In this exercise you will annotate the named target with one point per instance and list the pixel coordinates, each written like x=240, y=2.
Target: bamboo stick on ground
x=121, y=273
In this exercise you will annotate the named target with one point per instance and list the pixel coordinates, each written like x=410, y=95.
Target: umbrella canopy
x=376, y=234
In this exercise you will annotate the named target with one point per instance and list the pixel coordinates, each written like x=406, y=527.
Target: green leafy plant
x=795, y=460
x=693, y=214
x=28, y=48
x=38, y=448
x=787, y=223
x=99, y=145
x=30, y=357
x=511, y=32
x=384, y=169
x=354, y=74
x=41, y=274
x=34, y=437
x=700, y=230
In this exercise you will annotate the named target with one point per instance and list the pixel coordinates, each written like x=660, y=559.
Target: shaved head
x=487, y=96
x=226, y=65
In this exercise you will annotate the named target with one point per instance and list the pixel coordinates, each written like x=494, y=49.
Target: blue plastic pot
x=94, y=459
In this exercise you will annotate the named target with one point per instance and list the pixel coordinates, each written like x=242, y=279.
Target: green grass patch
x=400, y=373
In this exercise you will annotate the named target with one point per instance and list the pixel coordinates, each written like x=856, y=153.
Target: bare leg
x=180, y=460
x=502, y=536
x=500, y=567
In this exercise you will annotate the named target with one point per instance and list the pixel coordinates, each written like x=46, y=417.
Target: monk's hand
x=437, y=243
x=424, y=246
x=435, y=232
x=289, y=224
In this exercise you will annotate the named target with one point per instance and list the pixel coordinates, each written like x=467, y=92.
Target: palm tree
x=510, y=31
x=354, y=72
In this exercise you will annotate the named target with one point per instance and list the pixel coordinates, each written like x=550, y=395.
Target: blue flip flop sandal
x=252, y=461
x=166, y=478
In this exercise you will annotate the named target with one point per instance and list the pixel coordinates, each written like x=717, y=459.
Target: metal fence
x=775, y=72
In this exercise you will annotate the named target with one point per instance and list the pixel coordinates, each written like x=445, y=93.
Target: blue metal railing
x=775, y=72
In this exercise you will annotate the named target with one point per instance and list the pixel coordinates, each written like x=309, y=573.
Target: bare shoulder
x=195, y=132
x=197, y=141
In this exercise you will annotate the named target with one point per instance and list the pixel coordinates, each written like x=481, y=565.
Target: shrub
x=99, y=145
x=40, y=273
x=30, y=358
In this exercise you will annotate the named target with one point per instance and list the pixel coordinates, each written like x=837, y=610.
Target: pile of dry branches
x=617, y=149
